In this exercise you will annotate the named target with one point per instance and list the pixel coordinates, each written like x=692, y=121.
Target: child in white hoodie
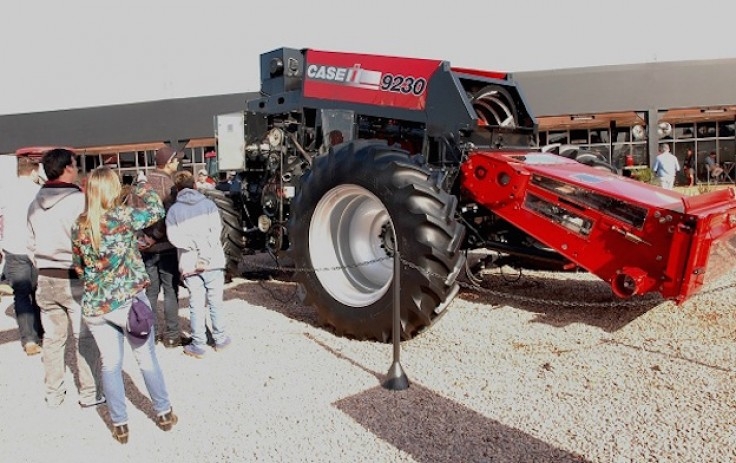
x=193, y=226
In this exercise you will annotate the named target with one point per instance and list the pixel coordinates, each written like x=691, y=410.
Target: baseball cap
x=165, y=154
x=202, y=172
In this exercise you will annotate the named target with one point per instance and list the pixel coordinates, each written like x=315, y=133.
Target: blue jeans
x=205, y=289
x=109, y=333
x=23, y=278
x=163, y=270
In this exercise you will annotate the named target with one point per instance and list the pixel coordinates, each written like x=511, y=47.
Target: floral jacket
x=116, y=272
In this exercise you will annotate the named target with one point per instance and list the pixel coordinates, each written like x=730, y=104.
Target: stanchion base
x=396, y=379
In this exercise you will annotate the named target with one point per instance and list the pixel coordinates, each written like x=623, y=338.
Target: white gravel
x=495, y=380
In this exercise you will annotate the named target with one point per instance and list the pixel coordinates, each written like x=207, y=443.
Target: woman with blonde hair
x=108, y=262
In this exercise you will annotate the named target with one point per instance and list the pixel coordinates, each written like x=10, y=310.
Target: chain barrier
x=396, y=377
x=534, y=300
x=640, y=301
x=281, y=268
x=643, y=300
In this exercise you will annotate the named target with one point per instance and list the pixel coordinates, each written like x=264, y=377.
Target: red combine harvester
x=345, y=158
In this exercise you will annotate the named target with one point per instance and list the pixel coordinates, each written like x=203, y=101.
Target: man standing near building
x=204, y=182
x=688, y=166
x=159, y=254
x=666, y=167
x=50, y=218
x=714, y=169
x=19, y=269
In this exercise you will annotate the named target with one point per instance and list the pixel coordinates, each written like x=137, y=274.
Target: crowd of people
x=667, y=166
x=88, y=259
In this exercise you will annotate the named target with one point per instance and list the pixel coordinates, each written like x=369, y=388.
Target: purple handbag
x=140, y=319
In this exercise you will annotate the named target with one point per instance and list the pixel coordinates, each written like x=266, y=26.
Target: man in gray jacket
x=193, y=225
x=50, y=217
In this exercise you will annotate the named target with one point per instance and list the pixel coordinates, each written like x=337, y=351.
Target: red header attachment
x=638, y=237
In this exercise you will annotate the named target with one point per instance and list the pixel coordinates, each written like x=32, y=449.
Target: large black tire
x=232, y=235
x=351, y=207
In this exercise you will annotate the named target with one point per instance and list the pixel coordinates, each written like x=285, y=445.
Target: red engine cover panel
x=638, y=237
x=368, y=79
x=480, y=73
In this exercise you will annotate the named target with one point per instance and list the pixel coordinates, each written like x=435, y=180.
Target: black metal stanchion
x=396, y=379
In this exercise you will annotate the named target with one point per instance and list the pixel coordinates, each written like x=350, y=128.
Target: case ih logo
x=354, y=76
x=401, y=82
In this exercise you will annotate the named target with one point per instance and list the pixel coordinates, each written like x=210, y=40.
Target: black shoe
x=177, y=342
x=171, y=343
x=120, y=433
x=167, y=420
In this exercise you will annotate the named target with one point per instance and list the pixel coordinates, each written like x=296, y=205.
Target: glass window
x=684, y=131
x=599, y=136
x=579, y=137
x=637, y=150
x=91, y=161
x=198, y=155
x=727, y=150
x=641, y=154
x=703, y=148
x=542, y=138
x=727, y=154
x=110, y=160
x=706, y=129
x=151, y=159
x=679, y=149
x=726, y=129
x=188, y=157
x=127, y=159
x=619, y=154
x=623, y=134
x=557, y=137
x=603, y=150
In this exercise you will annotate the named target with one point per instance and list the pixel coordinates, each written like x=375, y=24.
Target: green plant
x=704, y=188
x=644, y=175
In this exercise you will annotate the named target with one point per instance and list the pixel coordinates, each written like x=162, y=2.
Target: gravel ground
x=498, y=379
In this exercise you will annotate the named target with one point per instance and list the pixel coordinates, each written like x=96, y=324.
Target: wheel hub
x=350, y=232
